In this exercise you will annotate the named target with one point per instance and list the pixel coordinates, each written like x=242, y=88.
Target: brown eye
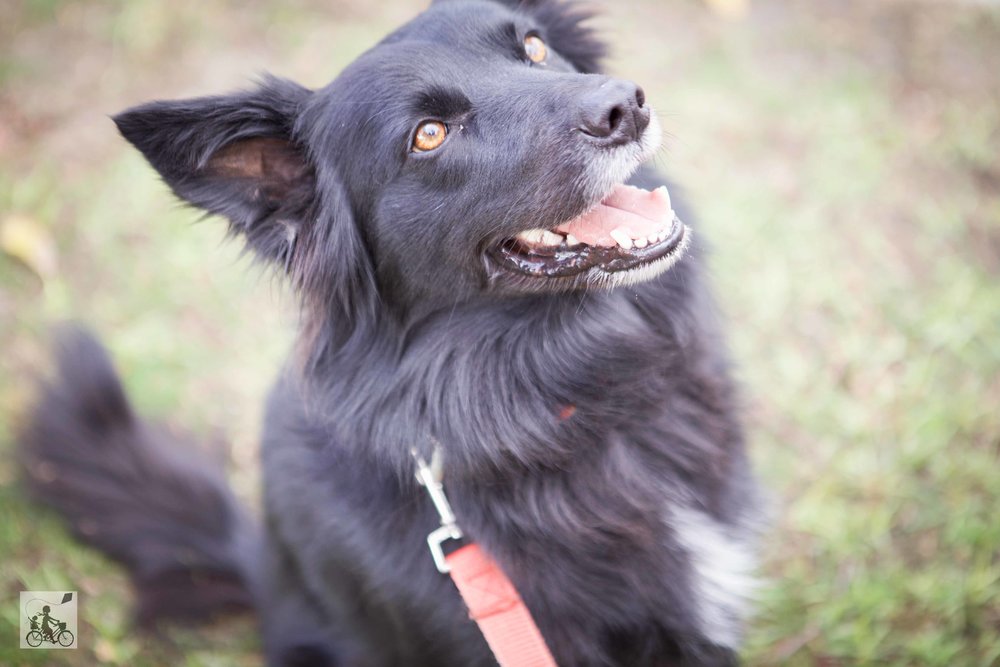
x=535, y=48
x=429, y=136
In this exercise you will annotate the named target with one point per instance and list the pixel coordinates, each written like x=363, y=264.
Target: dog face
x=474, y=150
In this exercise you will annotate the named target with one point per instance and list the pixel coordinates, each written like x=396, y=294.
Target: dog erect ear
x=235, y=156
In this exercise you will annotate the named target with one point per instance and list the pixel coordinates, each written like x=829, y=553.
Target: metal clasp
x=430, y=477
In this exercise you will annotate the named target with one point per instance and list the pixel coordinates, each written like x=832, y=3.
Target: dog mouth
x=629, y=231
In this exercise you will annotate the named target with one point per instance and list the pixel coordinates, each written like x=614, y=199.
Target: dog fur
x=590, y=430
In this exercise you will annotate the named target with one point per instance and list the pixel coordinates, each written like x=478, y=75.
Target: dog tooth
x=622, y=238
x=641, y=243
x=532, y=236
x=572, y=240
x=551, y=238
x=663, y=194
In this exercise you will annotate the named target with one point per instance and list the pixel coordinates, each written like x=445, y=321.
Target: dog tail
x=135, y=491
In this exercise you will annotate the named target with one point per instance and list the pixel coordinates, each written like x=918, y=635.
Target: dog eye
x=429, y=136
x=535, y=48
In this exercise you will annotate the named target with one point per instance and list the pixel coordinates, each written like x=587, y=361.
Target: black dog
x=472, y=271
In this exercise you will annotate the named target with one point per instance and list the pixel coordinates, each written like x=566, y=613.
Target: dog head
x=476, y=150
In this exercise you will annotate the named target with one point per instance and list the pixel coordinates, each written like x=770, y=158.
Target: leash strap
x=498, y=610
x=493, y=602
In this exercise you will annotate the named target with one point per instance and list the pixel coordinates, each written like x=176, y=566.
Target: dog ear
x=235, y=156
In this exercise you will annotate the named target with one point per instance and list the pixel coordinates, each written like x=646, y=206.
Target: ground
x=845, y=160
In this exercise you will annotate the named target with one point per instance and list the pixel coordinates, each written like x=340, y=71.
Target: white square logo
x=48, y=619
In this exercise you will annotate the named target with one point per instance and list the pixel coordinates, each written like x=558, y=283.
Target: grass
x=845, y=164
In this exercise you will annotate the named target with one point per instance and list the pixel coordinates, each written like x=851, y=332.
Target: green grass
x=852, y=196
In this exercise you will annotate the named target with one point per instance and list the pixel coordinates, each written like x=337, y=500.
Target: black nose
x=614, y=113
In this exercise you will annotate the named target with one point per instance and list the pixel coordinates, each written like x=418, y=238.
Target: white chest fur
x=723, y=569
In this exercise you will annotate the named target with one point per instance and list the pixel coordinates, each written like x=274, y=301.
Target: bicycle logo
x=48, y=619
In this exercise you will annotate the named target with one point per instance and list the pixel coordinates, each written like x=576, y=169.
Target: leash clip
x=430, y=477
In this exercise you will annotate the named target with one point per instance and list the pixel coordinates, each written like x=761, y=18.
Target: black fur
x=582, y=428
x=132, y=490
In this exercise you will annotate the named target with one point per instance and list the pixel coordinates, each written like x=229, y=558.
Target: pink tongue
x=638, y=212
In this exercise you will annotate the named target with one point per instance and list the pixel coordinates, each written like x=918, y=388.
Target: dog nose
x=614, y=113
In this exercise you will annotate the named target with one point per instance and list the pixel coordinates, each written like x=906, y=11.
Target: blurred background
x=844, y=156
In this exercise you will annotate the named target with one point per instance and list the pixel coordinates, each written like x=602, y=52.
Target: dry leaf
x=25, y=239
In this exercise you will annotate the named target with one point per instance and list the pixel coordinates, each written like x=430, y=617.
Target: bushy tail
x=135, y=491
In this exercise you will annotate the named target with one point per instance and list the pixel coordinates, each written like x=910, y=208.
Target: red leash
x=496, y=607
x=493, y=602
